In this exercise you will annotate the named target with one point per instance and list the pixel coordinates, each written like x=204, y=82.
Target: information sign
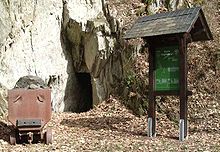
x=167, y=69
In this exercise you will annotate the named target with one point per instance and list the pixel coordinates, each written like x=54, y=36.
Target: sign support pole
x=152, y=102
x=183, y=89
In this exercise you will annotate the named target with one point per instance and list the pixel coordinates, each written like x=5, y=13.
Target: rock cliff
x=56, y=40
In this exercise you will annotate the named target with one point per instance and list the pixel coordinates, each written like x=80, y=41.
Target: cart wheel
x=12, y=138
x=37, y=138
x=48, y=137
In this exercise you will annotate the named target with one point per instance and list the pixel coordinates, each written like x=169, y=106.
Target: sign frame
x=182, y=93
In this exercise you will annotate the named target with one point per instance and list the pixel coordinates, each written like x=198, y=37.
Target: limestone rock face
x=33, y=46
x=5, y=21
x=3, y=100
x=161, y=5
x=92, y=41
x=54, y=40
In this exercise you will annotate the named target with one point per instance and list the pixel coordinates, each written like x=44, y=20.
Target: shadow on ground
x=206, y=130
x=125, y=125
x=4, y=131
x=120, y=124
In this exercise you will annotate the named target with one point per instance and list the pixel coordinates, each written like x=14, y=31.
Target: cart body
x=29, y=110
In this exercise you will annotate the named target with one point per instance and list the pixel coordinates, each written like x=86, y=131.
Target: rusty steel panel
x=29, y=104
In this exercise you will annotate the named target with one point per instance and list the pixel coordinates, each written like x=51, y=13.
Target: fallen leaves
x=112, y=127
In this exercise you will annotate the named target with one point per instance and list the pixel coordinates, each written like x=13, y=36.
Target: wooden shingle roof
x=190, y=20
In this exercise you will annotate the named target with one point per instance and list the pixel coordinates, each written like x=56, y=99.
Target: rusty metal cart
x=29, y=110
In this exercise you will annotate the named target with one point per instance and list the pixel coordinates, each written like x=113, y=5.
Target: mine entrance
x=85, y=99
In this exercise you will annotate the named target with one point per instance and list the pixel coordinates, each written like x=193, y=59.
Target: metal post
x=182, y=129
x=152, y=118
x=149, y=122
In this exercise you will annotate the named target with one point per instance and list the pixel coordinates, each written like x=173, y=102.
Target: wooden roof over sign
x=190, y=20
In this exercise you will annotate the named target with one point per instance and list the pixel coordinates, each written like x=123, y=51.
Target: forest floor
x=111, y=127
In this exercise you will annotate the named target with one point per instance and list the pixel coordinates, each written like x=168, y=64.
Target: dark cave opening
x=85, y=96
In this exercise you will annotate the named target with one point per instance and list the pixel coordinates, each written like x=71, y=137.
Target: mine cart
x=29, y=110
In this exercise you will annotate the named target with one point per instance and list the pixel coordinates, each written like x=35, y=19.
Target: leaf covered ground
x=111, y=127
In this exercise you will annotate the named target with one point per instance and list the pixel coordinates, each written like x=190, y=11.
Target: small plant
x=130, y=79
x=198, y=2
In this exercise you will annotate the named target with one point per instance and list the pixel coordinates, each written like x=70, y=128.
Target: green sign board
x=167, y=69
